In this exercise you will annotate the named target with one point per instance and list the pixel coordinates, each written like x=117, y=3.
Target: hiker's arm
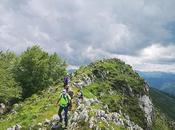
x=82, y=96
x=58, y=100
x=69, y=98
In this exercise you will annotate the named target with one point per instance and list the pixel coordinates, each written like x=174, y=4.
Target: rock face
x=13, y=112
x=90, y=101
x=100, y=73
x=85, y=81
x=47, y=122
x=55, y=117
x=122, y=85
x=147, y=106
x=146, y=87
x=15, y=127
x=2, y=108
x=84, y=111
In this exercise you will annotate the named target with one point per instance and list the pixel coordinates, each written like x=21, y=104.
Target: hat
x=64, y=91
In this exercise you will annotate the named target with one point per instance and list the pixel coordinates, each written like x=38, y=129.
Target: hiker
x=66, y=80
x=64, y=101
x=79, y=97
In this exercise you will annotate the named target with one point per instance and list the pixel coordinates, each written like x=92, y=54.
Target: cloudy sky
x=140, y=32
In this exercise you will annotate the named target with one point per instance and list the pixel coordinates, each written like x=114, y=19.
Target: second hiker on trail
x=64, y=101
x=79, y=97
x=66, y=80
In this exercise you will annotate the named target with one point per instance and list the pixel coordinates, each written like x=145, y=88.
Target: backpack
x=69, y=100
x=65, y=97
x=71, y=93
x=66, y=80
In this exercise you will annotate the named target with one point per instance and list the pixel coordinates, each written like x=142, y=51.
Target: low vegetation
x=32, y=71
x=163, y=102
x=35, y=76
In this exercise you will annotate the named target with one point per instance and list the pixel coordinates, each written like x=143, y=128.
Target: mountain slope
x=116, y=97
x=113, y=75
x=33, y=110
x=164, y=102
x=118, y=86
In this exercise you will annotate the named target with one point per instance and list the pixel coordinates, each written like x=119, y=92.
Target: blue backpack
x=66, y=80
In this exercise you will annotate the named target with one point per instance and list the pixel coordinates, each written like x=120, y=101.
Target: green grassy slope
x=118, y=77
x=164, y=102
x=33, y=110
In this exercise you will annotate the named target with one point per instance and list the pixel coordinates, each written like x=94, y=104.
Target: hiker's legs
x=65, y=84
x=78, y=101
x=65, y=114
x=59, y=113
x=70, y=105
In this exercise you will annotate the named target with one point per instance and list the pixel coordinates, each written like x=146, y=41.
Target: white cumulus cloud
x=138, y=31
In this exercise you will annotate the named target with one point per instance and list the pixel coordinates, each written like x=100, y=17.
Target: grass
x=117, y=79
x=87, y=93
x=160, y=122
x=104, y=126
x=163, y=102
x=34, y=110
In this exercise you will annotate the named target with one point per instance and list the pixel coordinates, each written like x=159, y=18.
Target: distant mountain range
x=162, y=81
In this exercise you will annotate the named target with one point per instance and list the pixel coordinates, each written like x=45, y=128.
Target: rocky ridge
x=144, y=103
x=94, y=113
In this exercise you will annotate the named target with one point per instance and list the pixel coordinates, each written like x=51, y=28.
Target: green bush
x=37, y=70
x=9, y=89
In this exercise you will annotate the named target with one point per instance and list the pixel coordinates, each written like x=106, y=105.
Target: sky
x=140, y=32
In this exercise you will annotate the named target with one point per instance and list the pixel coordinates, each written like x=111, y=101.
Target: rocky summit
x=120, y=89
x=115, y=98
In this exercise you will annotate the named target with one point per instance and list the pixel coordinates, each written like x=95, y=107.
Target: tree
x=37, y=70
x=9, y=89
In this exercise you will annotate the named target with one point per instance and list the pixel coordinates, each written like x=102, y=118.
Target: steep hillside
x=33, y=110
x=122, y=90
x=116, y=98
x=164, y=102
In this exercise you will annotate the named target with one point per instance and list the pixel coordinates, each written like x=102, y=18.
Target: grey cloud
x=169, y=61
x=120, y=27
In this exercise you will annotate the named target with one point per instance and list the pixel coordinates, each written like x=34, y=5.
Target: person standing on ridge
x=64, y=101
x=79, y=97
x=66, y=80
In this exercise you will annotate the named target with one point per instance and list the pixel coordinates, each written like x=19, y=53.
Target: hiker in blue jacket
x=66, y=80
